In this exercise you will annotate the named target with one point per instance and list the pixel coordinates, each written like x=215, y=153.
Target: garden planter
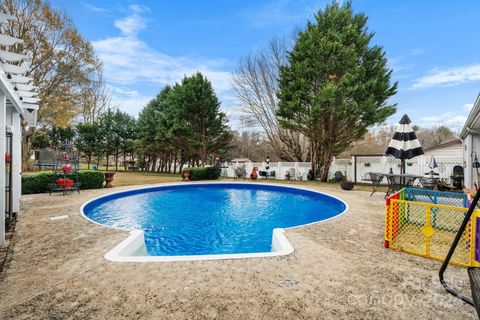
x=186, y=175
x=347, y=185
x=108, y=179
x=65, y=183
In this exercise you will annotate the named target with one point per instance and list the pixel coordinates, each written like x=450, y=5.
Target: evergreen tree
x=182, y=124
x=204, y=125
x=87, y=140
x=336, y=84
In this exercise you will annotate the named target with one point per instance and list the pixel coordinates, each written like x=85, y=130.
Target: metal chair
x=398, y=182
x=376, y=179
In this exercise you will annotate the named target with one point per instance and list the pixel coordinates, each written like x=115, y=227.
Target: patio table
x=396, y=182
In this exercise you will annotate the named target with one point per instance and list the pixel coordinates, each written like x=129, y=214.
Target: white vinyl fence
x=355, y=168
x=296, y=170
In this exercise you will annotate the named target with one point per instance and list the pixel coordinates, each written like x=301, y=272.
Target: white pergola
x=18, y=102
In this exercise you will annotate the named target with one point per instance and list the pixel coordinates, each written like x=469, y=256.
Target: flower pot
x=65, y=183
x=347, y=185
x=186, y=175
x=108, y=179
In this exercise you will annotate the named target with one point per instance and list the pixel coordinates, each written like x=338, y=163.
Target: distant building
x=470, y=136
x=448, y=149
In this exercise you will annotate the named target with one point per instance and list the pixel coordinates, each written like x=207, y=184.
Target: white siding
x=454, y=150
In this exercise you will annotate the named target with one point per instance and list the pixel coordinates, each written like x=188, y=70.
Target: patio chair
x=375, y=178
x=239, y=173
x=398, y=182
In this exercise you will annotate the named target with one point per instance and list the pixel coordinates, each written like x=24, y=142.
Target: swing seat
x=474, y=275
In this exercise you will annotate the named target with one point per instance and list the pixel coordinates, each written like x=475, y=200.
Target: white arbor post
x=3, y=118
x=16, y=162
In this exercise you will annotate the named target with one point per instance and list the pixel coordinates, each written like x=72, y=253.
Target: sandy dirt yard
x=339, y=270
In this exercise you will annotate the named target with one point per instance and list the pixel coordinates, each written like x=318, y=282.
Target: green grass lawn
x=131, y=178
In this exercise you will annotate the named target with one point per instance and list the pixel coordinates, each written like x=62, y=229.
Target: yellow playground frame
x=425, y=222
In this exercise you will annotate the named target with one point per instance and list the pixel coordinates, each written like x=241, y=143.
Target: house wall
x=3, y=118
x=9, y=120
x=447, y=151
x=471, y=148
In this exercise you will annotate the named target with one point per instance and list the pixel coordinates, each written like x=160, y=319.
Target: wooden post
x=16, y=187
x=355, y=169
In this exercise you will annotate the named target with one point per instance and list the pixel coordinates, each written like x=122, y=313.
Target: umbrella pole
x=402, y=171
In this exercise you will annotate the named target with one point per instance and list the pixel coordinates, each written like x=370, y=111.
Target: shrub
x=38, y=182
x=203, y=173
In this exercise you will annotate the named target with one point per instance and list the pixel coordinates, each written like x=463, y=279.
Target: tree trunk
x=26, y=137
x=175, y=165
x=116, y=161
x=327, y=160
x=314, y=161
x=107, y=162
x=89, y=159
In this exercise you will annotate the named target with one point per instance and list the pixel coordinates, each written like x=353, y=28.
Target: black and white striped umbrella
x=404, y=144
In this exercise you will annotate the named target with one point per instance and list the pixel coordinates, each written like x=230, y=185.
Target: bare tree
x=61, y=60
x=255, y=84
x=94, y=98
x=434, y=136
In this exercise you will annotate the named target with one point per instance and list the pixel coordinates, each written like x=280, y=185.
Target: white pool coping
x=132, y=249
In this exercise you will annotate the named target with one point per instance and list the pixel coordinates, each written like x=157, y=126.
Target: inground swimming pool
x=211, y=218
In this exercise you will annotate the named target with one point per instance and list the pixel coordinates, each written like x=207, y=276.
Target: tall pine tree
x=336, y=84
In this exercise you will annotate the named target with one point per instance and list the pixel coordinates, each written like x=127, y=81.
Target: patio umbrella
x=432, y=164
x=404, y=144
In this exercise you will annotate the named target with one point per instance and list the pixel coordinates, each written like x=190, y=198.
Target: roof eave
x=472, y=117
x=6, y=87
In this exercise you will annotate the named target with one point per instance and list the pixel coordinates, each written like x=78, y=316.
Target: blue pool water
x=197, y=219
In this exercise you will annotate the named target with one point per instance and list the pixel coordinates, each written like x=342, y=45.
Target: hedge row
x=204, y=173
x=38, y=182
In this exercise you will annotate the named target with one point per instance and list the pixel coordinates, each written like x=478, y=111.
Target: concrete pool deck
x=339, y=270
